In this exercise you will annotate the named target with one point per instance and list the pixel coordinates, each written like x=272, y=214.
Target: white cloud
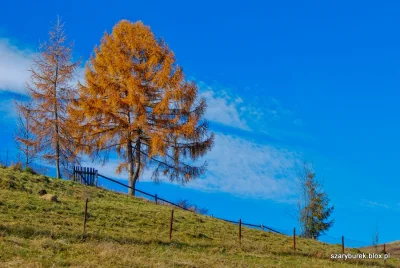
x=254, y=113
x=373, y=204
x=223, y=108
x=235, y=165
x=14, y=66
x=108, y=169
x=79, y=76
x=241, y=168
x=249, y=169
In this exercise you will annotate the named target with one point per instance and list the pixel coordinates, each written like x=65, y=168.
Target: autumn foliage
x=136, y=100
x=51, y=89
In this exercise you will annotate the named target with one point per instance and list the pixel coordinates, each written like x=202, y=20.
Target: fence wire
x=10, y=156
x=350, y=243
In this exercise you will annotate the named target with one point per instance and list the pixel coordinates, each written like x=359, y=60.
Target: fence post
x=240, y=230
x=7, y=159
x=294, y=238
x=85, y=216
x=171, y=221
x=342, y=244
x=384, y=252
x=155, y=197
x=262, y=227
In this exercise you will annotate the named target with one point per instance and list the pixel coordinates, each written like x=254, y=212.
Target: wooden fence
x=85, y=175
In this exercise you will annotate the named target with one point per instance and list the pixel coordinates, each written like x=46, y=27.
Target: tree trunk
x=131, y=190
x=58, y=175
x=27, y=138
x=133, y=171
x=137, y=162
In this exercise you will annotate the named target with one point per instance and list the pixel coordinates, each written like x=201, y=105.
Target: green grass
x=124, y=231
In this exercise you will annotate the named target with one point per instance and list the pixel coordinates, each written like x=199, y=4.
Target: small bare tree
x=375, y=238
x=25, y=140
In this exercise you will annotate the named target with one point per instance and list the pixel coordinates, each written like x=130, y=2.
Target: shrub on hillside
x=30, y=171
x=183, y=203
x=16, y=167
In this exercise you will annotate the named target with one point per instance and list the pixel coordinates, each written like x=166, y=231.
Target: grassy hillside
x=393, y=248
x=130, y=232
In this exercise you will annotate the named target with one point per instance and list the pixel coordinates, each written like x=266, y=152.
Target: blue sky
x=284, y=82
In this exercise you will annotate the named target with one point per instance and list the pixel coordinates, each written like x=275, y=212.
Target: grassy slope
x=393, y=248
x=131, y=232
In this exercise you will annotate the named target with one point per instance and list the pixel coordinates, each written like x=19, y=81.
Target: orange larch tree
x=136, y=100
x=51, y=89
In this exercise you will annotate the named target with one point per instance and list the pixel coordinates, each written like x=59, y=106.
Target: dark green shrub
x=30, y=171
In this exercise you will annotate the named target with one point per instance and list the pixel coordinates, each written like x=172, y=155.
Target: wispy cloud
x=14, y=67
x=263, y=114
x=250, y=169
x=241, y=168
x=235, y=165
x=223, y=108
x=272, y=109
x=373, y=204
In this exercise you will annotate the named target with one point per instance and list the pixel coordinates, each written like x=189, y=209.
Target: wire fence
x=9, y=157
x=157, y=199
x=350, y=243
